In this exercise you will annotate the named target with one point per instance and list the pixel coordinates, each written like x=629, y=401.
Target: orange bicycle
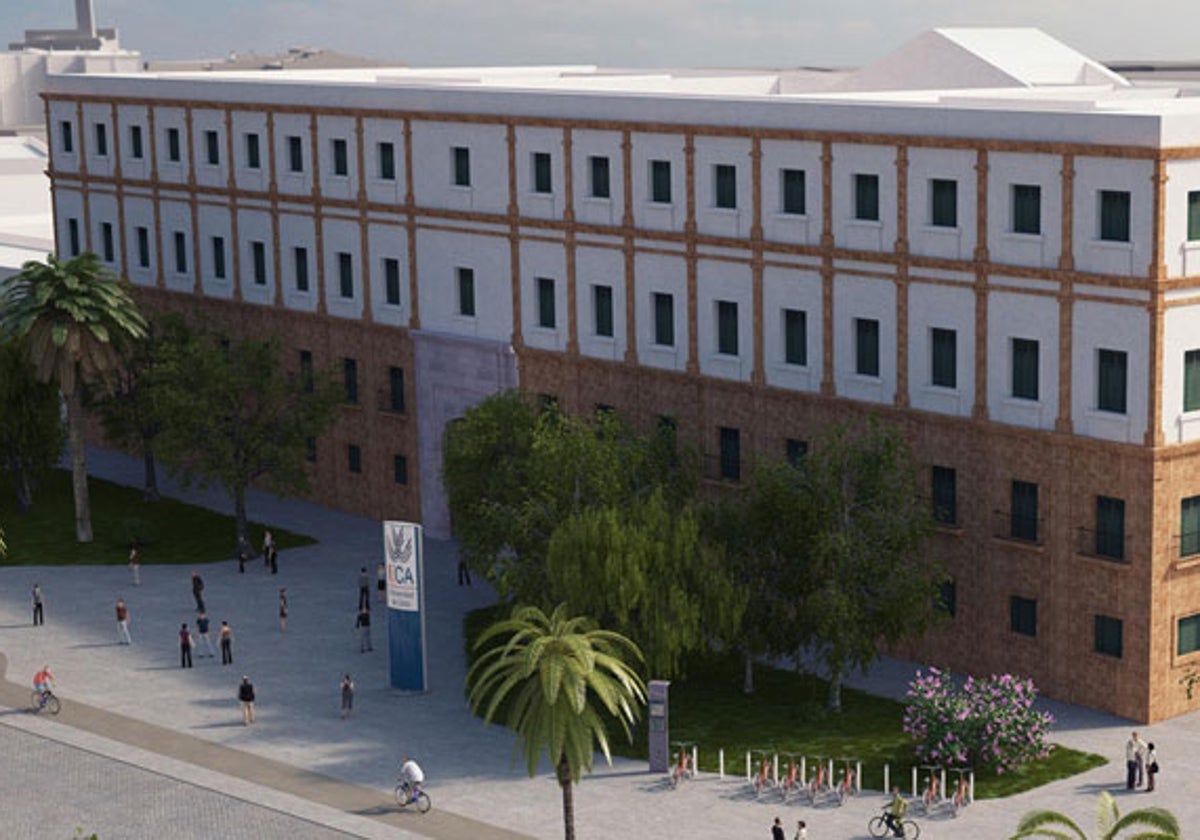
x=762, y=779
x=819, y=785
x=789, y=783
x=846, y=787
x=682, y=767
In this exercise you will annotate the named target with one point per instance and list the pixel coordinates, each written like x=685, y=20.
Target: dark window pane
x=944, y=203
x=466, y=292
x=387, y=161
x=350, y=378
x=731, y=453
x=1024, y=369
x=602, y=303
x=73, y=236
x=212, y=148
x=1023, y=524
x=218, y=257
x=101, y=140
x=948, y=597
x=345, y=274
x=67, y=137
x=1114, y=215
x=259, y=251
x=727, y=327
x=795, y=337
x=545, y=301
x=600, y=185
x=792, y=187
x=1193, y=211
x=354, y=458
x=136, y=150
x=1188, y=635
x=295, y=154
x=306, y=370
x=106, y=241
x=1026, y=209
x=1023, y=615
x=341, y=163
x=396, y=388
x=944, y=368
x=1191, y=380
x=795, y=451
x=866, y=197
x=310, y=449
x=391, y=280
x=542, y=182
x=725, y=186
x=660, y=181
x=1109, y=636
x=1110, y=382
x=664, y=319
x=173, y=154
x=300, y=258
x=253, y=158
x=462, y=166
x=1189, y=534
x=944, y=482
x=866, y=347
x=1110, y=527
x=143, y=247
x=180, y=241
x=400, y=469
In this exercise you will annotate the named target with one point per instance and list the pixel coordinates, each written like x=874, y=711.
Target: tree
x=78, y=318
x=234, y=417
x=559, y=682
x=31, y=430
x=1145, y=824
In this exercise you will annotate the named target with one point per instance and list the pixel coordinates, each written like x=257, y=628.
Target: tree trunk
x=563, y=771
x=150, y=493
x=83, y=511
x=834, y=703
x=239, y=515
x=747, y=671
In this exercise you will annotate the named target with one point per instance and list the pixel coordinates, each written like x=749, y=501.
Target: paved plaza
x=143, y=746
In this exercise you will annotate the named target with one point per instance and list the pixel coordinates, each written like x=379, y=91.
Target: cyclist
x=894, y=816
x=412, y=776
x=43, y=681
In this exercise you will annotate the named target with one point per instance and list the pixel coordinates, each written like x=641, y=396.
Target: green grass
x=168, y=531
x=786, y=714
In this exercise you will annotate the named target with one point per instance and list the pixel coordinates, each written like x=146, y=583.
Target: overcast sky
x=649, y=33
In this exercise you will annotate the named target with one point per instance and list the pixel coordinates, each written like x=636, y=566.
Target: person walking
x=777, y=830
x=1151, y=767
x=364, y=589
x=464, y=574
x=1141, y=759
x=347, y=690
x=135, y=563
x=202, y=624
x=39, y=604
x=363, y=623
x=246, y=698
x=198, y=591
x=381, y=582
x=185, y=647
x=283, y=611
x=268, y=547
x=243, y=553
x=123, y=637
x=226, y=638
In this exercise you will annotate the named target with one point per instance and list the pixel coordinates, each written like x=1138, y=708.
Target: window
x=866, y=347
x=727, y=327
x=549, y=402
x=795, y=337
x=143, y=247
x=1193, y=229
x=660, y=181
x=300, y=262
x=944, y=494
x=1188, y=635
x=947, y=600
x=180, y=241
x=218, y=257
x=258, y=254
x=542, y=182
x=1110, y=528
x=1114, y=215
x=943, y=369
x=466, y=292
x=310, y=450
x=350, y=378
x=253, y=153
x=306, y=371
x=345, y=274
x=943, y=203
x=1109, y=632
x=386, y=154
x=599, y=173
x=731, y=453
x=391, y=281
x=106, y=241
x=73, y=236
x=1023, y=615
x=545, y=302
x=135, y=142
x=1191, y=380
x=1023, y=521
x=173, y=153
x=866, y=197
x=1026, y=209
x=400, y=469
x=354, y=458
x=396, y=388
x=462, y=166
x=1024, y=369
x=1110, y=381
x=341, y=163
x=212, y=148
x=602, y=309
x=664, y=319
x=725, y=186
x=101, y=140
x=295, y=154
x=1189, y=532
x=66, y=137
x=795, y=450
x=791, y=188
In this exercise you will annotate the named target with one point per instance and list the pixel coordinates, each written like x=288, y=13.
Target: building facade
x=1002, y=265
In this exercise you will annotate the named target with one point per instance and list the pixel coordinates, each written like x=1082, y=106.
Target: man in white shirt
x=1135, y=752
x=411, y=775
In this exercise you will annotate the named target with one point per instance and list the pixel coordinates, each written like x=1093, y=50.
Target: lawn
x=786, y=714
x=168, y=531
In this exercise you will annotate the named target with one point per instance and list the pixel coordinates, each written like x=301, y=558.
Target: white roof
x=26, y=226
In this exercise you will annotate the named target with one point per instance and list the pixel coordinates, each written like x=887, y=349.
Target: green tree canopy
x=31, y=429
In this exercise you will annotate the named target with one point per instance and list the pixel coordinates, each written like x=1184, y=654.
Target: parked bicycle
x=681, y=766
x=819, y=784
x=848, y=785
x=763, y=779
x=962, y=794
x=46, y=700
x=406, y=797
x=790, y=783
x=878, y=827
x=932, y=796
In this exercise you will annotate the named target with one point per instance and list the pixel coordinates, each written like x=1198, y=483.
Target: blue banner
x=406, y=605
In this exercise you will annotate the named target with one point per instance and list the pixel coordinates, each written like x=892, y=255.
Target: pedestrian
x=364, y=589
x=381, y=581
x=202, y=631
x=246, y=698
x=464, y=574
x=283, y=611
x=185, y=647
x=268, y=547
x=347, y=689
x=243, y=553
x=198, y=591
x=123, y=637
x=777, y=830
x=226, y=637
x=1131, y=761
x=801, y=830
x=1141, y=759
x=135, y=563
x=39, y=603
x=363, y=623
x=1151, y=767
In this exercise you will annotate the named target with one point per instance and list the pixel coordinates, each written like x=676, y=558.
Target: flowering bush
x=987, y=723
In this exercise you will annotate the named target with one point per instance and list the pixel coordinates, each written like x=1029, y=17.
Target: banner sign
x=402, y=549
x=403, y=545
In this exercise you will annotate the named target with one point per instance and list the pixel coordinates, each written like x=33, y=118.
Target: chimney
x=85, y=18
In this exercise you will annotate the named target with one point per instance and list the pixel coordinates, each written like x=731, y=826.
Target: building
x=985, y=238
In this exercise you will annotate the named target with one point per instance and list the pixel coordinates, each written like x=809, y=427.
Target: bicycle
x=762, y=780
x=818, y=785
x=878, y=827
x=846, y=785
x=962, y=796
x=789, y=783
x=932, y=797
x=405, y=797
x=681, y=769
x=39, y=700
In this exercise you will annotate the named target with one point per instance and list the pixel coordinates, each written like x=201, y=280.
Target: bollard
x=887, y=781
x=748, y=776
x=858, y=777
x=803, y=771
x=971, y=786
x=721, y=763
x=830, y=776
x=775, y=769
x=915, y=785
x=943, y=783
x=695, y=762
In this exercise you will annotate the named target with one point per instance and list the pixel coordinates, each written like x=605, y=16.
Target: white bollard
x=943, y=783
x=914, y=782
x=887, y=780
x=747, y=765
x=830, y=775
x=721, y=763
x=695, y=762
x=803, y=771
x=775, y=769
x=858, y=777
x=971, y=785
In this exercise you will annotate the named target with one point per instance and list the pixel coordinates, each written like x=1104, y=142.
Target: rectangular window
x=947, y=600
x=391, y=281
x=1193, y=210
x=602, y=308
x=462, y=166
x=253, y=152
x=1109, y=636
x=943, y=203
x=660, y=181
x=73, y=236
x=173, y=153
x=1023, y=521
x=664, y=319
x=795, y=450
x=212, y=147
x=1191, y=380
x=791, y=188
x=345, y=274
x=396, y=388
x=295, y=154
x=795, y=337
x=866, y=347
x=944, y=495
x=1110, y=380
x=135, y=142
x=180, y=241
x=101, y=140
x=1114, y=215
x=1024, y=369
x=106, y=241
x=542, y=182
x=218, y=257
x=350, y=378
x=943, y=369
x=1110, y=528
x=306, y=371
x=727, y=327
x=310, y=450
x=354, y=458
x=725, y=186
x=400, y=469
x=866, y=197
x=143, y=247
x=599, y=172
x=1023, y=615
x=258, y=254
x=731, y=453
x=1188, y=635
x=386, y=154
x=545, y=303
x=466, y=292
x=341, y=162
x=66, y=137
x=1189, y=530
x=300, y=263
x=1026, y=209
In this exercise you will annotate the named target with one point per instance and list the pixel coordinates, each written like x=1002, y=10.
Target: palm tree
x=78, y=318
x=553, y=676
x=1148, y=823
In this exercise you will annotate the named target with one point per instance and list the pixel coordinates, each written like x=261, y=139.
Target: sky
x=628, y=33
